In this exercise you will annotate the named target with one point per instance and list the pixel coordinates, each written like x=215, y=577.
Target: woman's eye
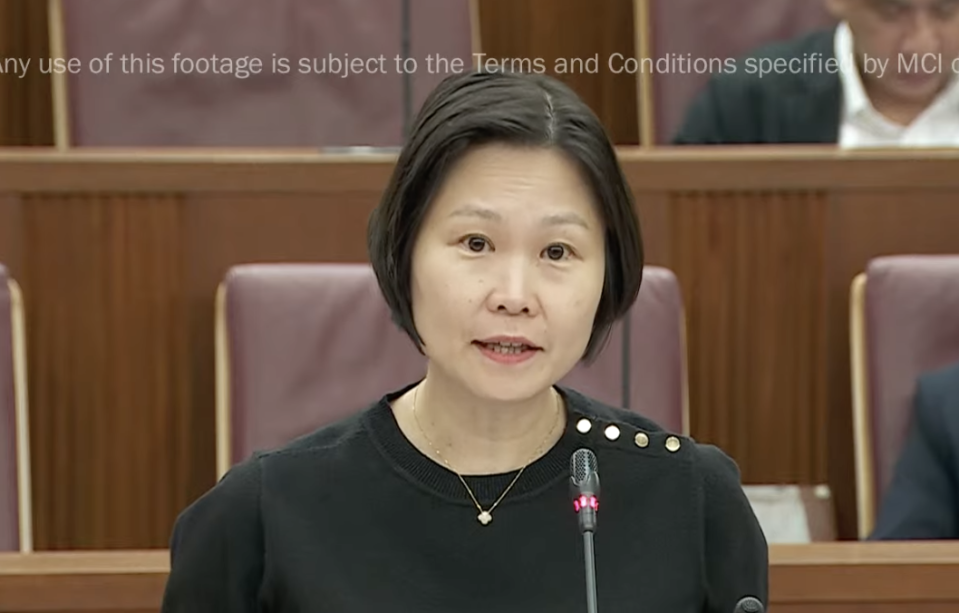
x=476, y=243
x=556, y=252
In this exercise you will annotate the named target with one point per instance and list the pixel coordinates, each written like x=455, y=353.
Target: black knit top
x=354, y=519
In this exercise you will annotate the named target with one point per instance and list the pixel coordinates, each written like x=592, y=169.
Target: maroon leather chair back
x=649, y=377
x=15, y=531
x=303, y=345
x=184, y=109
x=307, y=345
x=909, y=326
x=706, y=29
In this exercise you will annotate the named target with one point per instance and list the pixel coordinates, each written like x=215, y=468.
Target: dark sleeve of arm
x=216, y=551
x=920, y=503
x=737, y=556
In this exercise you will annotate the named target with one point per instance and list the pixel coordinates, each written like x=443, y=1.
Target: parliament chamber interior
x=185, y=189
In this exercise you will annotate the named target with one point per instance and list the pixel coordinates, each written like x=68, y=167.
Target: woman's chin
x=506, y=388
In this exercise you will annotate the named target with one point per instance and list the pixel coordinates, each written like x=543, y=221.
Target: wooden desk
x=821, y=578
x=70, y=582
x=864, y=578
x=119, y=255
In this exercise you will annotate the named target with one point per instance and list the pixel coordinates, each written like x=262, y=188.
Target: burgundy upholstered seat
x=905, y=322
x=302, y=345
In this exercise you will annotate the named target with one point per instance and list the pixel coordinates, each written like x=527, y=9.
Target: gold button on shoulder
x=584, y=425
x=612, y=432
x=641, y=439
x=672, y=444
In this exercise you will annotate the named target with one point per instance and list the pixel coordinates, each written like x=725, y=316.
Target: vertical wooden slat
x=25, y=102
x=644, y=79
x=750, y=265
x=476, y=30
x=553, y=29
x=103, y=291
x=11, y=226
x=58, y=82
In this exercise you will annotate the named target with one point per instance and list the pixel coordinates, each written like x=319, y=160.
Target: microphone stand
x=590, y=571
x=585, y=488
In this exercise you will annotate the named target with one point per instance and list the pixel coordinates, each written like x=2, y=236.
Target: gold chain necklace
x=485, y=515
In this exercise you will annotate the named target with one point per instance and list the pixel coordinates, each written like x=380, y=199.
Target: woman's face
x=507, y=272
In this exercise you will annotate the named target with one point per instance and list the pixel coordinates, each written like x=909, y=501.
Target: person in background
x=922, y=501
x=506, y=245
x=899, y=90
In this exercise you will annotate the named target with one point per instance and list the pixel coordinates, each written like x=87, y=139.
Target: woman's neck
x=474, y=436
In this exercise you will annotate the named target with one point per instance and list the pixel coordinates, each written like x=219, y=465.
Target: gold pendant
x=484, y=517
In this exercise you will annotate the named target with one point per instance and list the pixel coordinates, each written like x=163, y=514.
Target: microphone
x=749, y=604
x=584, y=488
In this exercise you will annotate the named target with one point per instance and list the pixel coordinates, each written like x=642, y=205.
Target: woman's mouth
x=507, y=351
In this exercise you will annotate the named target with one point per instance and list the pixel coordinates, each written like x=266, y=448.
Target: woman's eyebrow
x=565, y=219
x=472, y=210
x=556, y=219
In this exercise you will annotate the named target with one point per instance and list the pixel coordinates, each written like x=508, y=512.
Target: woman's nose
x=514, y=292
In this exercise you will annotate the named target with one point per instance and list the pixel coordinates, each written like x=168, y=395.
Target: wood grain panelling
x=119, y=257
x=750, y=265
x=108, y=339
x=553, y=29
x=11, y=225
x=26, y=116
x=654, y=207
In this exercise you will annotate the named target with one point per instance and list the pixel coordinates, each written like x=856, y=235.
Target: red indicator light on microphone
x=582, y=502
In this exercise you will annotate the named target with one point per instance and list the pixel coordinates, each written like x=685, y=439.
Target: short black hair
x=476, y=108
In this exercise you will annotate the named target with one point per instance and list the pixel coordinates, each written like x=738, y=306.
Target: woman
x=506, y=245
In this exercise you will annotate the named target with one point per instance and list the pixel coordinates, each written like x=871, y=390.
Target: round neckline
x=439, y=480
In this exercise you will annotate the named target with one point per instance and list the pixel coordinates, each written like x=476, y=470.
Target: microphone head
x=749, y=604
x=584, y=470
x=584, y=486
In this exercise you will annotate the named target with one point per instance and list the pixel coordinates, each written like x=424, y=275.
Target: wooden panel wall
x=25, y=102
x=120, y=281
x=119, y=258
x=766, y=243
x=109, y=333
x=729, y=249
x=553, y=29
